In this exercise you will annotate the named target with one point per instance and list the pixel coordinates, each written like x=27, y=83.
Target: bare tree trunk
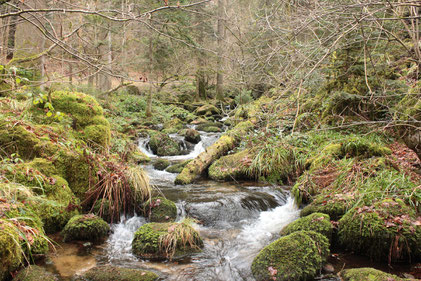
x=149, y=102
x=12, y=34
x=200, y=73
x=220, y=60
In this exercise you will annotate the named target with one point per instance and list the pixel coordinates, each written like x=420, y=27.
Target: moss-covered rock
x=298, y=256
x=112, y=273
x=161, y=210
x=137, y=157
x=231, y=167
x=367, y=274
x=18, y=139
x=209, y=128
x=10, y=250
x=34, y=273
x=161, y=164
x=317, y=222
x=151, y=241
x=207, y=110
x=333, y=205
x=173, y=126
x=177, y=168
x=98, y=134
x=162, y=145
x=386, y=230
x=192, y=136
x=85, y=227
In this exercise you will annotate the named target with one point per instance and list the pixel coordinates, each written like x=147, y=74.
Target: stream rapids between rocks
x=236, y=221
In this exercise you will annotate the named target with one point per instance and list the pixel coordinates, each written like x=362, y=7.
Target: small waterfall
x=119, y=244
x=143, y=146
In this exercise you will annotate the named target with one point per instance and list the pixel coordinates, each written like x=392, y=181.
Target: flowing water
x=236, y=220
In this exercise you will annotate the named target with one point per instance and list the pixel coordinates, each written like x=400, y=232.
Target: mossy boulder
x=18, y=139
x=98, y=134
x=367, y=274
x=231, y=167
x=162, y=210
x=173, y=126
x=192, y=136
x=10, y=250
x=34, y=273
x=149, y=241
x=207, y=110
x=85, y=227
x=386, y=230
x=177, y=168
x=298, y=256
x=32, y=242
x=162, y=145
x=161, y=164
x=334, y=205
x=317, y=222
x=209, y=127
x=112, y=273
x=53, y=214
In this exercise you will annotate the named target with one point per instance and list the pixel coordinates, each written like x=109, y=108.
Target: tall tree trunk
x=12, y=33
x=200, y=73
x=220, y=60
x=3, y=31
x=149, y=101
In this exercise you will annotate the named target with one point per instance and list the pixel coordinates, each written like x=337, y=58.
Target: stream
x=236, y=220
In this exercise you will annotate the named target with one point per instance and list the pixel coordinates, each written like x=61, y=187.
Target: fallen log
x=221, y=147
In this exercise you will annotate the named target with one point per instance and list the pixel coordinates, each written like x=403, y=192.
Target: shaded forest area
x=321, y=96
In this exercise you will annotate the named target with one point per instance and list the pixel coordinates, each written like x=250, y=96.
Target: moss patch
x=298, y=256
x=162, y=145
x=161, y=164
x=177, y=168
x=315, y=222
x=162, y=210
x=10, y=251
x=85, y=227
x=34, y=273
x=367, y=274
x=231, y=167
x=387, y=230
x=112, y=273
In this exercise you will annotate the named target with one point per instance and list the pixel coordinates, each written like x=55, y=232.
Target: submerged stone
x=35, y=273
x=113, y=273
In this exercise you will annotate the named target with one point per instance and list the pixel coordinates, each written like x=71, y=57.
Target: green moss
x=161, y=164
x=333, y=205
x=209, y=129
x=137, y=157
x=207, y=110
x=386, y=230
x=10, y=250
x=146, y=242
x=81, y=107
x=161, y=210
x=173, y=126
x=231, y=167
x=99, y=134
x=316, y=222
x=111, y=273
x=162, y=145
x=85, y=227
x=192, y=136
x=367, y=274
x=298, y=256
x=177, y=168
x=18, y=139
x=34, y=273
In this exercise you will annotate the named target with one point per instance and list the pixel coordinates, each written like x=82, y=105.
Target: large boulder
x=298, y=256
x=317, y=222
x=387, y=230
x=166, y=241
x=112, y=273
x=192, y=136
x=85, y=227
x=207, y=110
x=162, y=145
